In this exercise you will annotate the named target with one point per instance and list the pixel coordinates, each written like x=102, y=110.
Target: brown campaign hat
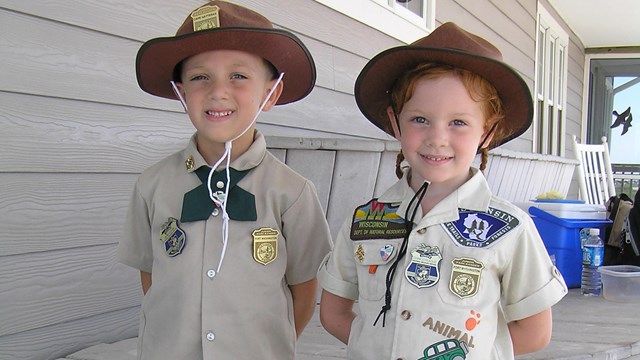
x=448, y=44
x=220, y=25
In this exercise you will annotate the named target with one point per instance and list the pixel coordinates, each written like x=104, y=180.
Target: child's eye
x=458, y=122
x=419, y=120
x=238, y=77
x=198, y=77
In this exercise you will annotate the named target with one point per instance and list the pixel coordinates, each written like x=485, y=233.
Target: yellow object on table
x=550, y=195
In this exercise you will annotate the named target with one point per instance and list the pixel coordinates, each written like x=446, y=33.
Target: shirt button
x=405, y=314
x=219, y=184
x=422, y=231
x=211, y=273
x=211, y=336
x=215, y=212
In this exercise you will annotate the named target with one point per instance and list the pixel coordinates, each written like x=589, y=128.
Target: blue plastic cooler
x=561, y=237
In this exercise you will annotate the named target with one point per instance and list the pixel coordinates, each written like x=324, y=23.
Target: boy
x=439, y=266
x=226, y=237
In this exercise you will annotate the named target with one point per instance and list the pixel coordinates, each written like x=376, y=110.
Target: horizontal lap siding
x=46, y=134
x=71, y=284
x=46, y=212
x=55, y=341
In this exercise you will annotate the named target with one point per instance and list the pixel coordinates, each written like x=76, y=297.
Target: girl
x=437, y=264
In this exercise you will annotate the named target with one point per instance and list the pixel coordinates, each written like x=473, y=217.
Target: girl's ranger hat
x=219, y=25
x=448, y=44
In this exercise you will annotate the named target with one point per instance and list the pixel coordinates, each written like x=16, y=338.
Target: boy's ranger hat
x=448, y=44
x=219, y=25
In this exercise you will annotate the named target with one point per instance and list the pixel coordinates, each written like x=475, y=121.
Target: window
x=549, y=126
x=405, y=20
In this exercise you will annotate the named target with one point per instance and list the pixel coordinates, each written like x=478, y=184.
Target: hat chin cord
x=482, y=143
x=221, y=199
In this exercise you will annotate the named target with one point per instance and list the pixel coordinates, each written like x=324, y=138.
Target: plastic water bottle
x=592, y=256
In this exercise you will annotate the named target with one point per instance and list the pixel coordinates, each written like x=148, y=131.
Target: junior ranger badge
x=172, y=237
x=465, y=277
x=424, y=268
x=205, y=18
x=265, y=245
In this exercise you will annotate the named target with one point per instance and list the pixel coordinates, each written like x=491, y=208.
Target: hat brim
x=158, y=57
x=379, y=74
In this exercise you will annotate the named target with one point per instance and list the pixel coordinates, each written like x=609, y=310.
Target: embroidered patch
x=480, y=229
x=465, y=277
x=424, y=268
x=376, y=220
x=172, y=237
x=446, y=349
x=265, y=245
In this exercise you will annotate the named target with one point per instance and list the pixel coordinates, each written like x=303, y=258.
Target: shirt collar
x=248, y=160
x=472, y=195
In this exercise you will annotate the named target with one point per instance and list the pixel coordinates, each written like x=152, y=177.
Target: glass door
x=613, y=102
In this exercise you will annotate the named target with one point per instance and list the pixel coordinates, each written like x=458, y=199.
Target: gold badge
x=189, y=163
x=206, y=18
x=465, y=277
x=265, y=245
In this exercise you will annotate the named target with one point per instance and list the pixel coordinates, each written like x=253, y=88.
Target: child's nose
x=437, y=136
x=218, y=89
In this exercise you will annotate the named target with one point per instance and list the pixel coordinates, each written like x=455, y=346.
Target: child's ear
x=180, y=87
x=487, y=137
x=274, y=96
x=394, y=122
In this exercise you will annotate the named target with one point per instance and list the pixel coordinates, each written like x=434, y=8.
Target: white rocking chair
x=595, y=173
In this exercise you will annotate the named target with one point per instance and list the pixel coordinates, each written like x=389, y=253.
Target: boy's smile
x=223, y=90
x=441, y=127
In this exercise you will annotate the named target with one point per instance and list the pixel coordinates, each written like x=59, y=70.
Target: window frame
x=395, y=21
x=587, y=85
x=549, y=129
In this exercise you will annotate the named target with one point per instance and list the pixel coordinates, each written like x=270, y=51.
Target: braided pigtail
x=484, y=156
x=399, y=160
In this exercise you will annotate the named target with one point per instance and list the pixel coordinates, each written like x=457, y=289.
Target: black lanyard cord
x=408, y=223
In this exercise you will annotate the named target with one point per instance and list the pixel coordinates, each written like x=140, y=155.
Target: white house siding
x=75, y=132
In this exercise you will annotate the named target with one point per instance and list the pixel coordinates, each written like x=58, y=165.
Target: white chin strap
x=220, y=199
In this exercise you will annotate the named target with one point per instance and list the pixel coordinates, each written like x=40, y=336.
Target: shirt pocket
x=469, y=279
x=373, y=259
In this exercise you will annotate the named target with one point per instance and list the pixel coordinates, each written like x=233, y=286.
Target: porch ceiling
x=599, y=23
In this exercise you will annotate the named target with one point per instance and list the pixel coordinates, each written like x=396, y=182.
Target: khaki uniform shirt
x=245, y=310
x=473, y=263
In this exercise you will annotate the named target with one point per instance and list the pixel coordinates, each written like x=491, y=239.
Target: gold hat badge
x=206, y=18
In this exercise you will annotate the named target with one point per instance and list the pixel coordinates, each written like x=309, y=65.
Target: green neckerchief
x=197, y=205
